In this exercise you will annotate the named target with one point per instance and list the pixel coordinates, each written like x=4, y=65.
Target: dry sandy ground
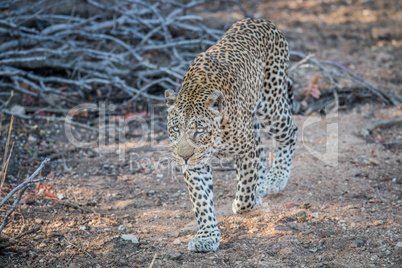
x=337, y=214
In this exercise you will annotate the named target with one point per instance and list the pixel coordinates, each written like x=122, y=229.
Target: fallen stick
x=22, y=188
x=366, y=131
x=349, y=75
x=27, y=182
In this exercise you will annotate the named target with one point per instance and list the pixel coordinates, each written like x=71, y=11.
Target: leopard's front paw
x=205, y=244
x=243, y=207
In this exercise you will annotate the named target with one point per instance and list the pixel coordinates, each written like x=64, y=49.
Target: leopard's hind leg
x=274, y=113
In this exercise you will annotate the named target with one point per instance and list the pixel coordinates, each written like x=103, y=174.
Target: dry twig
x=366, y=131
x=110, y=45
x=340, y=71
x=21, y=188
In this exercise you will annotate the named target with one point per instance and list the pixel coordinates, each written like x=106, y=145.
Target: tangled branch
x=21, y=188
x=334, y=71
x=117, y=48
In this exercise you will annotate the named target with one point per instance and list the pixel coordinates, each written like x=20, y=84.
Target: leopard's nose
x=187, y=157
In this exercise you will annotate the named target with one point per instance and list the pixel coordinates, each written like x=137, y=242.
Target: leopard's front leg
x=247, y=168
x=199, y=185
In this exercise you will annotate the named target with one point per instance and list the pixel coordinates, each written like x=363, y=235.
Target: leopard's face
x=193, y=129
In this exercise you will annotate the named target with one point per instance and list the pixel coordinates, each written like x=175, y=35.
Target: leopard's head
x=194, y=124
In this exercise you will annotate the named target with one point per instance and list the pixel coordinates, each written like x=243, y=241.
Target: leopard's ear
x=170, y=97
x=215, y=102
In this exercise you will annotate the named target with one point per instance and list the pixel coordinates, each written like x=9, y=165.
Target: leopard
x=231, y=93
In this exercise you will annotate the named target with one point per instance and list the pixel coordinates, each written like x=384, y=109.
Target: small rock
x=175, y=255
x=177, y=241
x=129, y=237
x=29, y=200
x=60, y=196
x=376, y=223
x=315, y=215
x=124, y=204
x=159, y=175
x=295, y=226
x=38, y=237
x=41, y=260
x=265, y=205
x=301, y=216
x=32, y=139
x=158, y=202
x=17, y=109
x=150, y=192
x=398, y=245
x=374, y=258
x=85, y=227
x=122, y=228
x=38, y=221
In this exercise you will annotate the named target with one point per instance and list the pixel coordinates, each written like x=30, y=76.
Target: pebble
x=177, y=242
x=38, y=221
x=301, y=216
x=32, y=139
x=376, y=223
x=60, y=196
x=83, y=228
x=124, y=204
x=175, y=255
x=265, y=205
x=295, y=226
x=315, y=215
x=122, y=228
x=129, y=237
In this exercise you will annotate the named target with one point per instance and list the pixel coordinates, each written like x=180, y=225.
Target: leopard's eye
x=175, y=128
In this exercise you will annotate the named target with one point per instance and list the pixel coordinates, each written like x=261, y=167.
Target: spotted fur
x=233, y=90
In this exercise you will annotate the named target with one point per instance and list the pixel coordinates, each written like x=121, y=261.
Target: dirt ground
x=341, y=208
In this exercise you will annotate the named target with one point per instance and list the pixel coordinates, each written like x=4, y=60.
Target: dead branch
x=122, y=49
x=341, y=71
x=366, y=131
x=21, y=188
x=111, y=44
x=26, y=183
